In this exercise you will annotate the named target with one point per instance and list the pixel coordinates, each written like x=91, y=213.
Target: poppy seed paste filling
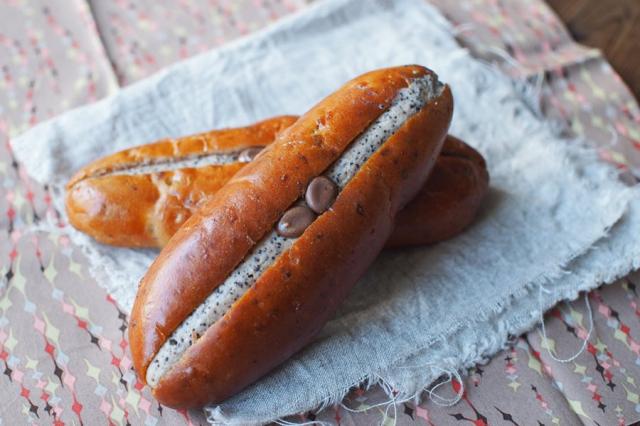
x=171, y=164
x=407, y=102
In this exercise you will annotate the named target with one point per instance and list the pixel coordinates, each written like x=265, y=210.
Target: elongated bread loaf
x=449, y=201
x=141, y=196
x=253, y=275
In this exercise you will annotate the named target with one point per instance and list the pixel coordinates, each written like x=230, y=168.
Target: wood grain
x=610, y=25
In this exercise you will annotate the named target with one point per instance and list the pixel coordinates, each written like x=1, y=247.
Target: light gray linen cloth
x=556, y=220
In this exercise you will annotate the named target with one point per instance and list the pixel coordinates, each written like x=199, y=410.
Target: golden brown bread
x=448, y=202
x=116, y=204
x=146, y=209
x=295, y=295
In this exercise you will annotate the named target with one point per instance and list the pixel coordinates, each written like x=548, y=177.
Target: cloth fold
x=555, y=217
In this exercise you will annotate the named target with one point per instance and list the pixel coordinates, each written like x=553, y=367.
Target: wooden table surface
x=610, y=25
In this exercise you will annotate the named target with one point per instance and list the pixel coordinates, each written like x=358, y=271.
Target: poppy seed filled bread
x=377, y=139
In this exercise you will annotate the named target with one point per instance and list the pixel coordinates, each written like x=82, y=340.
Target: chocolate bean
x=249, y=154
x=294, y=221
x=321, y=193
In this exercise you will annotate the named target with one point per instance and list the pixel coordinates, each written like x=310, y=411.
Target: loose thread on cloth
x=309, y=423
x=433, y=396
x=453, y=373
x=448, y=402
x=388, y=390
x=387, y=404
x=544, y=329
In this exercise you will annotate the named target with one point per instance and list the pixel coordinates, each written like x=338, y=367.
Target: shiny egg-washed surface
x=63, y=351
x=407, y=102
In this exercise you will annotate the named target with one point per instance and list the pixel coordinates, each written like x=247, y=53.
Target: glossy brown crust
x=294, y=297
x=448, y=202
x=145, y=210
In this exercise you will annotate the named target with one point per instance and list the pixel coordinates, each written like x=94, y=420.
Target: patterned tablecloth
x=63, y=349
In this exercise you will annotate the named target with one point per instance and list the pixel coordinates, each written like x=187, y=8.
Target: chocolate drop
x=249, y=154
x=294, y=221
x=321, y=193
